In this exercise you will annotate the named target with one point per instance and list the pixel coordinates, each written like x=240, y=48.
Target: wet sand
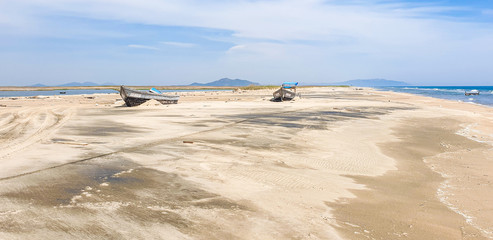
x=339, y=163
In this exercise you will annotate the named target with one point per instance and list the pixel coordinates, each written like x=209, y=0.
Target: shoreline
x=243, y=159
x=453, y=183
x=445, y=97
x=169, y=89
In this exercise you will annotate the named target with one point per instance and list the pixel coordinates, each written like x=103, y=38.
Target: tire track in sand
x=30, y=126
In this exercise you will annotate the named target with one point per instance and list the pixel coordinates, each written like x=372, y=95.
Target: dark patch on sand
x=314, y=119
x=105, y=128
x=64, y=183
x=347, y=96
x=61, y=140
x=278, y=130
x=200, y=125
x=140, y=196
x=221, y=203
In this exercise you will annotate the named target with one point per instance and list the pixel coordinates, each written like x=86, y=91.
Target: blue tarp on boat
x=154, y=90
x=289, y=84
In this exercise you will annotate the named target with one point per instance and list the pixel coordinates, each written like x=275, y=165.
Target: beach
x=334, y=163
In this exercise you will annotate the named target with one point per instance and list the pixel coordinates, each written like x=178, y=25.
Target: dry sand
x=339, y=163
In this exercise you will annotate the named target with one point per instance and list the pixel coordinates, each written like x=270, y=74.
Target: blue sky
x=157, y=42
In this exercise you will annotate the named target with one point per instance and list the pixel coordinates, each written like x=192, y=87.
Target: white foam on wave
x=444, y=195
x=470, y=133
x=457, y=90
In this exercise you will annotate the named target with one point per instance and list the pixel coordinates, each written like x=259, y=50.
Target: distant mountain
x=75, y=84
x=78, y=84
x=226, y=82
x=38, y=85
x=373, y=83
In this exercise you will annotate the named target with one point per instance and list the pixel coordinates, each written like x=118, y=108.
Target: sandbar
x=334, y=163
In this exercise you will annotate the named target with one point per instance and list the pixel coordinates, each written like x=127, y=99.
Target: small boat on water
x=472, y=92
x=135, y=98
x=286, y=93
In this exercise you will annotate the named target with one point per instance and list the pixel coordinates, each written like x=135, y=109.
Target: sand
x=337, y=163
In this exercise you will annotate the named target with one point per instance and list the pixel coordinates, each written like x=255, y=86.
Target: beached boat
x=472, y=92
x=286, y=92
x=134, y=98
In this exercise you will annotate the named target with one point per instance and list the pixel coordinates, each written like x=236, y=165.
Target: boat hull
x=135, y=98
x=283, y=94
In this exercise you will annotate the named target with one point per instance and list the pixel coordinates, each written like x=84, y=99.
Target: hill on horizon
x=38, y=85
x=74, y=84
x=226, y=82
x=377, y=82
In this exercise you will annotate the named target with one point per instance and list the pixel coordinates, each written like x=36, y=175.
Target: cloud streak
x=180, y=44
x=143, y=47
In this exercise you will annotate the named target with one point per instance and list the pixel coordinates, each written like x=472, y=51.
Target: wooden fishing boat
x=472, y=92
x=286, y=93
x=135, y=98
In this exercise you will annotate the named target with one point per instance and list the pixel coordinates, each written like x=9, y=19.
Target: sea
x=85, y=91
x=455, y=93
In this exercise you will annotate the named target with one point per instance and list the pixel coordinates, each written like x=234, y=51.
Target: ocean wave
x=431, y=90
x=449, y=90
x=417, y=89
x=485, y=97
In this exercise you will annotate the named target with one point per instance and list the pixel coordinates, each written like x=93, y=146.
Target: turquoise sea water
x=456, y=93
x=81, y=91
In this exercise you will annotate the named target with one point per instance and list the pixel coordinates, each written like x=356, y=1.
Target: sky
x=177, y=42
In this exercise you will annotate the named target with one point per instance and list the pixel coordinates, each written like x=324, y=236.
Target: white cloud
x=143, y=47
x=280, y=20
x=488, y=12
x=180, y=44
x=236, y=48
x=343, y=38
